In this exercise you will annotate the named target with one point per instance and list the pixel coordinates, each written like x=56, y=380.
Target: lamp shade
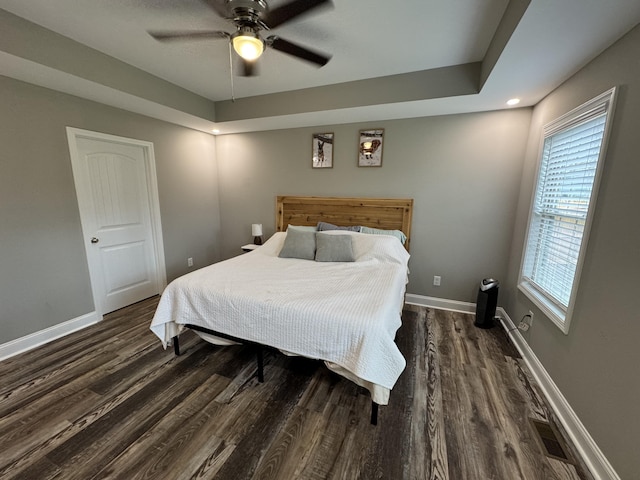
x=256, y=229
x=248, y=45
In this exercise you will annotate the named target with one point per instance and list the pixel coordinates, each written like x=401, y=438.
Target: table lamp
x=256, y=231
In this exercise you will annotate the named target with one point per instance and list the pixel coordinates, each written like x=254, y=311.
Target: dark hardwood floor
x=109, y=402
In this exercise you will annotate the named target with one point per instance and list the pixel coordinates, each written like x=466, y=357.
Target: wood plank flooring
x=109, y=403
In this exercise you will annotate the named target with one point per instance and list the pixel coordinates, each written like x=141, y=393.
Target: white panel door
x=113, y=185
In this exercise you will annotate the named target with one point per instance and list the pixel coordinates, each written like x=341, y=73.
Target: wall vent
x=550, y=440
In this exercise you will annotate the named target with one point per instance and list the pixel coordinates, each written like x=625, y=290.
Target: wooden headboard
x=385, y=213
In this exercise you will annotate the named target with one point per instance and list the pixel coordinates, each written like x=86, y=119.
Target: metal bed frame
x=259, y=357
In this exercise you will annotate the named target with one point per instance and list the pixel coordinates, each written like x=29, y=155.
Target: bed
x=289, y=303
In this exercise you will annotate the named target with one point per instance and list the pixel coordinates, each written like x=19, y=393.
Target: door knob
x=95, y=240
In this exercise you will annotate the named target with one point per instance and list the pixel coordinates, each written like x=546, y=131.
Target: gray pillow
x=299, y=244
x=330, y=226
x=334, y=248
x=377, y=231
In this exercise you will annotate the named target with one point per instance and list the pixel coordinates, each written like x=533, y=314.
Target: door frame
x=82, y=191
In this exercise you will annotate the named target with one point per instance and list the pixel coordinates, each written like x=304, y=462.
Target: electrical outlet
x=436, y=280
x=190, y=262
x=526, y=323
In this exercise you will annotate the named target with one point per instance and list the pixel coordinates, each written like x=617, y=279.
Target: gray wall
x=462, y=170
x=471, y=177
x=32, y=42
x=44, y=277
x=596, y=364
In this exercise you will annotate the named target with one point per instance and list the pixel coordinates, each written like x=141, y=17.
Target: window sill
x=549, y=309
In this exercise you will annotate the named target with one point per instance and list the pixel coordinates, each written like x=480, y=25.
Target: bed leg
x=374, y=413
x=260, y=359
x=176, y=345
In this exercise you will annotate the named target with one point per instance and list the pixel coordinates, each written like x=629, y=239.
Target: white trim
x=550, y=310
x=605, y=101
x=33, y=340
x=593, y=457
x=440, y=303
x=156, y=219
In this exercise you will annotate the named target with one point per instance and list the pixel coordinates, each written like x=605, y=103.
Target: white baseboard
x=33, y=340
x=591, y=454
x=440, y=303
x=593, y=457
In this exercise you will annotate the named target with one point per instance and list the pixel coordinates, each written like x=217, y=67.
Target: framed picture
x=322, y=150
x=370, y=148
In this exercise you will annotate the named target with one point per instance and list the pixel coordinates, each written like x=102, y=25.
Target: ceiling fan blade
x=289, y=48
x=219, y=6
x=162, y=36
x=286, y=12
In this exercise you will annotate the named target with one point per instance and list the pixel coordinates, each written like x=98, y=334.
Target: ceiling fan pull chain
x=233, y=98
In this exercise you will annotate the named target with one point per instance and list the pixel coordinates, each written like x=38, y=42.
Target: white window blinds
x=561, y=205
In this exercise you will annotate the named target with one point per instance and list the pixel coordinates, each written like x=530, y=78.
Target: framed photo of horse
x=322, y=150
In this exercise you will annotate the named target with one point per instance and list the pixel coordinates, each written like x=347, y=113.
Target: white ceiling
x=367, y=38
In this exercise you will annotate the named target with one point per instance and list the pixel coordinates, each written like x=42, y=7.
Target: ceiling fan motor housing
x=248, y=13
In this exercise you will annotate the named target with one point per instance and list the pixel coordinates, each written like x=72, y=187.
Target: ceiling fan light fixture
x=248, y=45
x=251, y=19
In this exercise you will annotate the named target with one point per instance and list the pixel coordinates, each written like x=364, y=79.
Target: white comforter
x=343, y=313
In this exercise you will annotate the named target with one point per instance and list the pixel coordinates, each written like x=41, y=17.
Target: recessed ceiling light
x=513, y=101
x=215, y=131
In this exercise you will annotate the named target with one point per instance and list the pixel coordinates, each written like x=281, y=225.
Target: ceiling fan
x=250, y=18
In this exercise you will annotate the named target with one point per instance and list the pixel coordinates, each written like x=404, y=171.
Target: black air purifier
x=486, y=303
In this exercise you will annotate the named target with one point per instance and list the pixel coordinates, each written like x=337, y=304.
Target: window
x=562, y=206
